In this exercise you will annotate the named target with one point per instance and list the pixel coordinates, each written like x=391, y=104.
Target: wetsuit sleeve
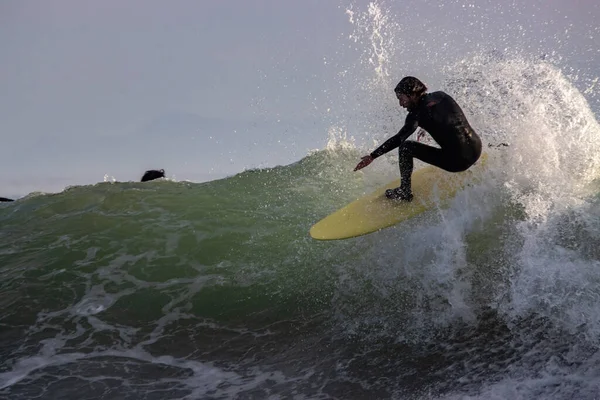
x=410, y=125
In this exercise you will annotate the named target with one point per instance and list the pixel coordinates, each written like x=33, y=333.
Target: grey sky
x=207, y=88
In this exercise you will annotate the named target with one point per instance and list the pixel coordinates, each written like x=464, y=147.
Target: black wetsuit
x=441, y=116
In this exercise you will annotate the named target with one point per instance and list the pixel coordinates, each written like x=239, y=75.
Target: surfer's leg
x=451, y=160
x=406, y=153
x=405, y=161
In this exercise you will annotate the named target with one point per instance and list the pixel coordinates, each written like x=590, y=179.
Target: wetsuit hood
x=409, y=85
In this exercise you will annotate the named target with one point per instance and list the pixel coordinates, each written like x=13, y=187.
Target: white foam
x=542, y=181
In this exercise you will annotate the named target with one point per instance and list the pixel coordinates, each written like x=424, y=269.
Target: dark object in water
x=152, y=174
x=5, y=199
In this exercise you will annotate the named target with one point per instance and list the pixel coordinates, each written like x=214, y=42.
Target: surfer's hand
x=366, y=160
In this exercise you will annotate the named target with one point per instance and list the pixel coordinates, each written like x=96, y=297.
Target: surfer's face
x=403, y=99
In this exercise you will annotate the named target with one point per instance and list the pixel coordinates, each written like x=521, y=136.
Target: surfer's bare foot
x=399, y=194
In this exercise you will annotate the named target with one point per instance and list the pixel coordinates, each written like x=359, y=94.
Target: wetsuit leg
x=411, y=149
x=449, y=160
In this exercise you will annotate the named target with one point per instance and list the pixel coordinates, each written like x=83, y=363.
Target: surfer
x=153, y=174
x=441, y=116
x=5, y=199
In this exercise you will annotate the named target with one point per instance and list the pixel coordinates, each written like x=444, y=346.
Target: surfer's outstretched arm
x=409, y=127
x=395, y=141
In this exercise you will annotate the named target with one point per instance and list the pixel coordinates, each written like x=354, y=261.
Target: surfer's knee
x=407, y=148
x=152, y=174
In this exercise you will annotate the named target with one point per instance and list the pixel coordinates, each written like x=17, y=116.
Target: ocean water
x=214, y=290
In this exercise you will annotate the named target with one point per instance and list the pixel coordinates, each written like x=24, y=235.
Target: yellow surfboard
x=372, y=212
